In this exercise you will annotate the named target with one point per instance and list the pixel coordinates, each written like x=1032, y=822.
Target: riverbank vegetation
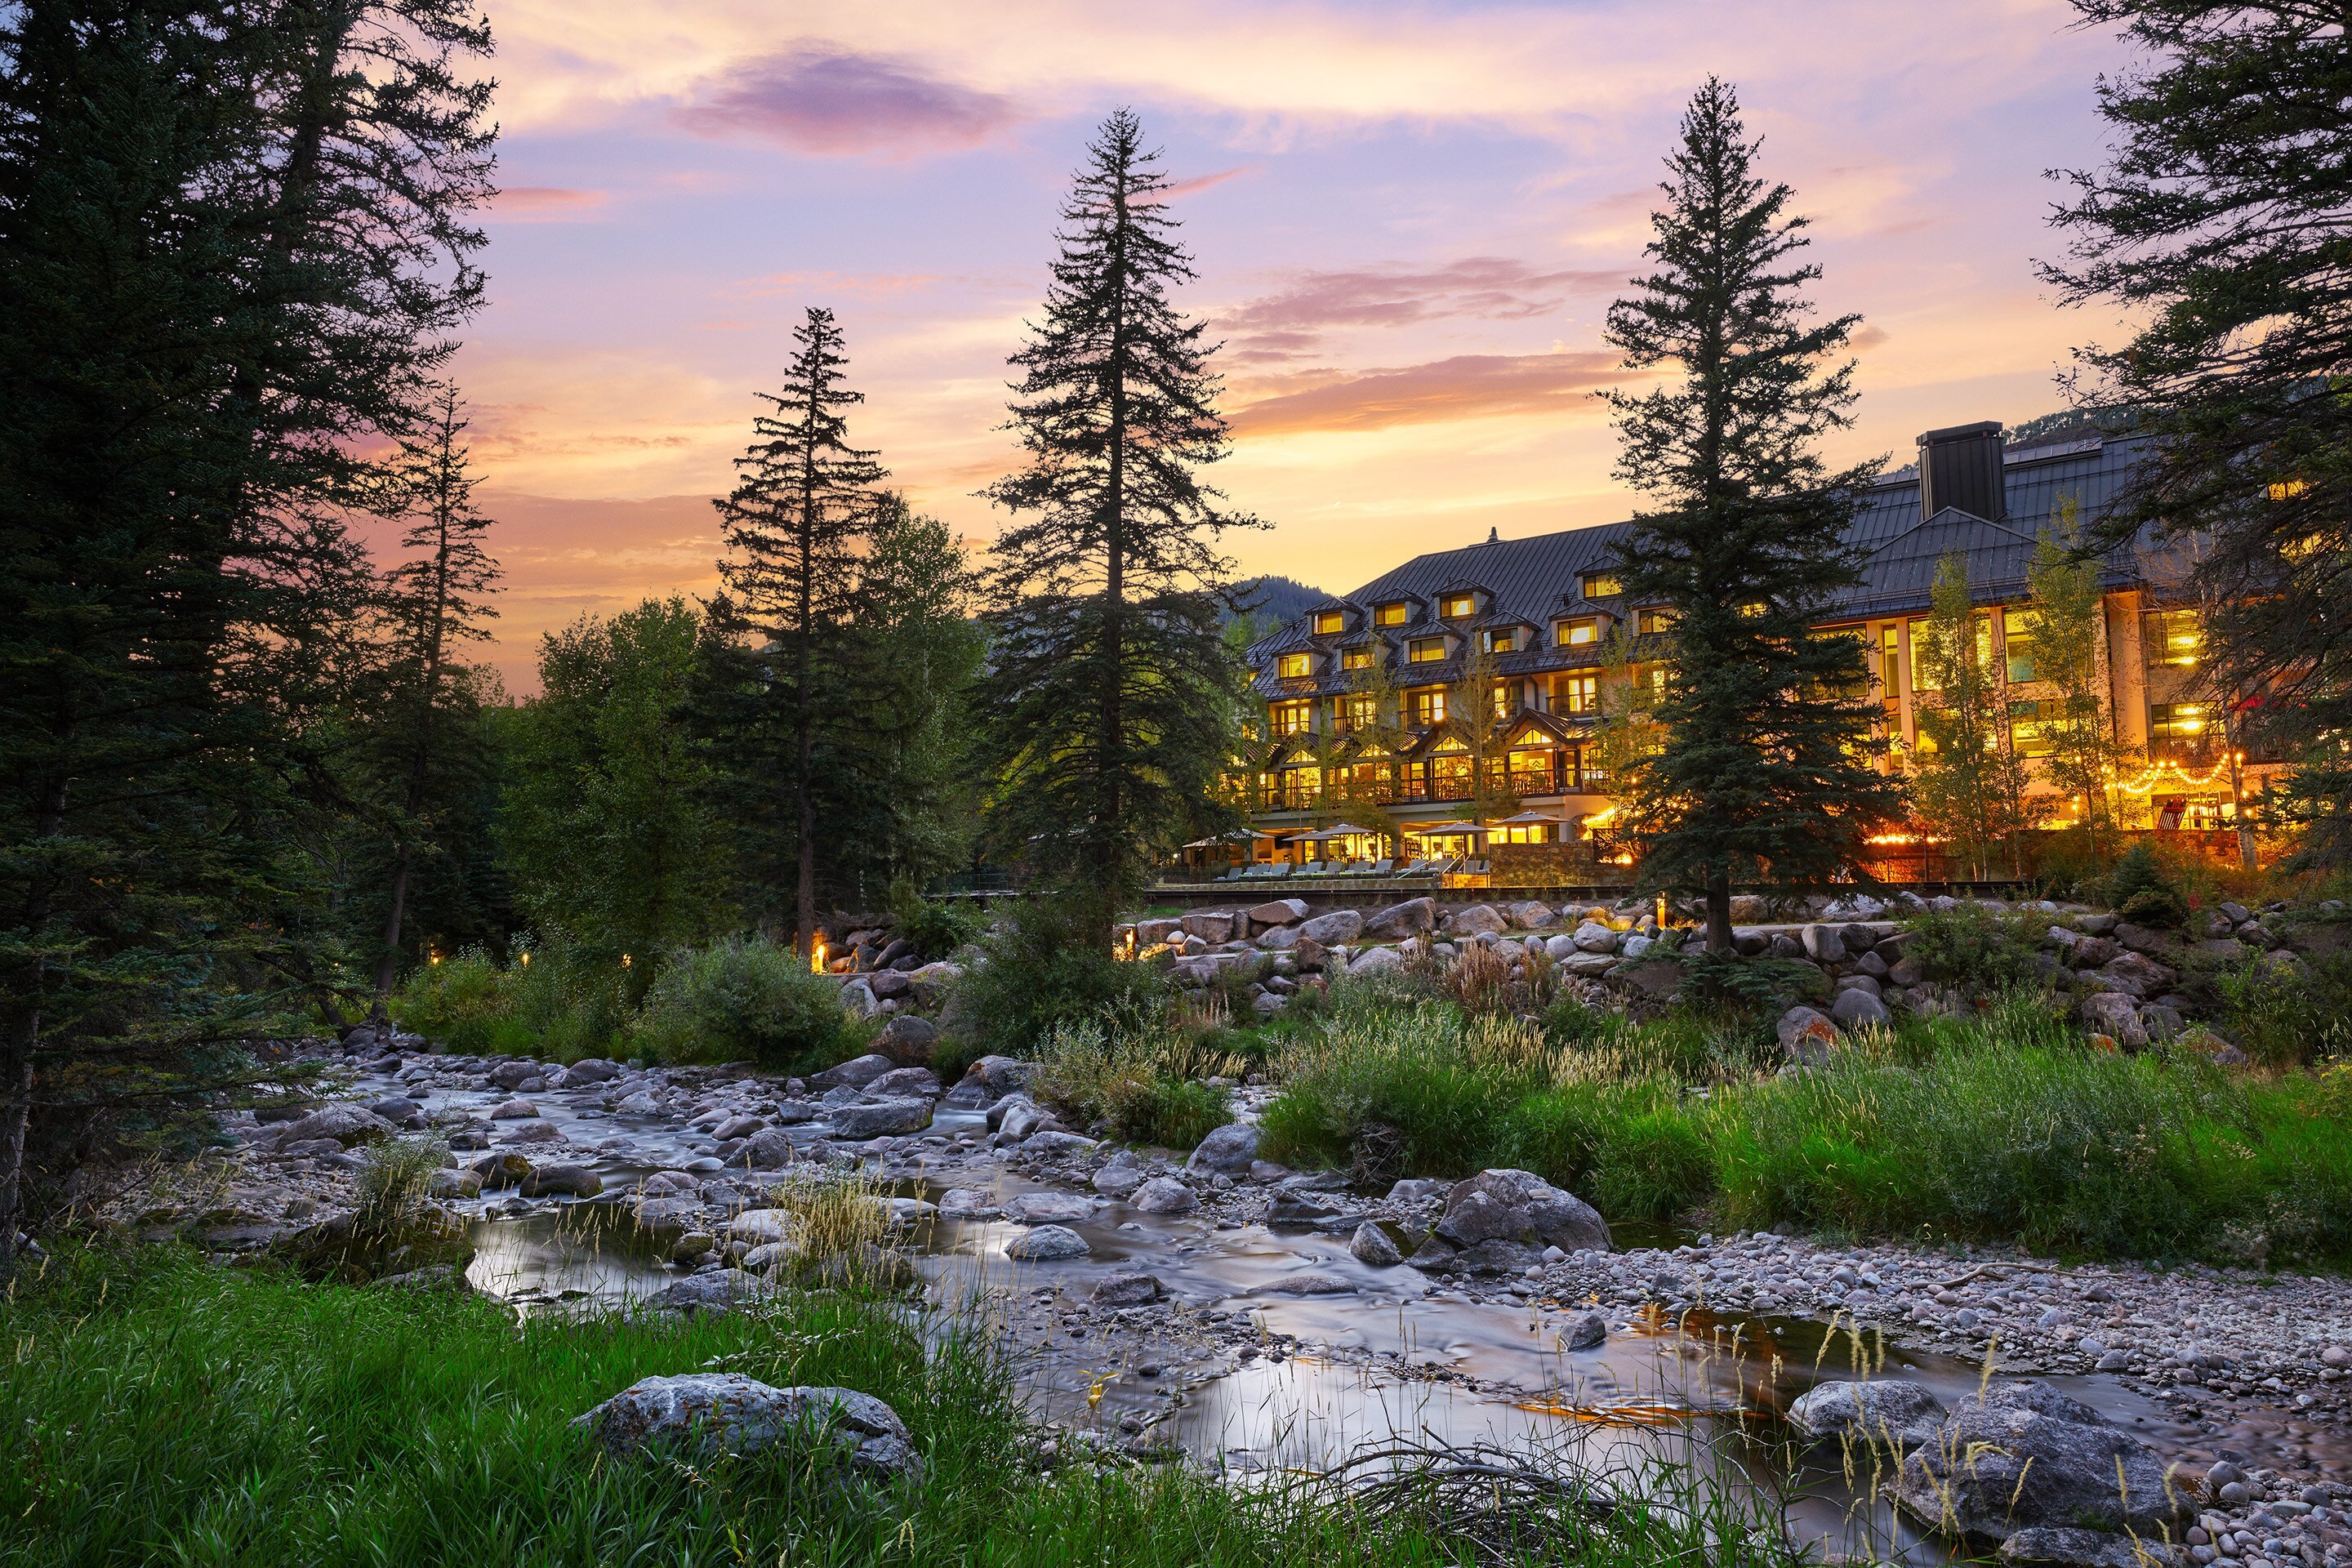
x=160, y=1410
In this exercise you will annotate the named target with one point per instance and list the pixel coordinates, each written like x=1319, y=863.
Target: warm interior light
x=625, y=961
x=816, y=956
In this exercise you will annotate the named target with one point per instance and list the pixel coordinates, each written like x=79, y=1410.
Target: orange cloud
x=1468, y=386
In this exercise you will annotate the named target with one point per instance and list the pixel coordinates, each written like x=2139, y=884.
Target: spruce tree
x=1967, y=783
x=1109, y=699
x=192, y=365
x=1766, y=762
x=429, y=742
x=803, y=514
x=2219, y=224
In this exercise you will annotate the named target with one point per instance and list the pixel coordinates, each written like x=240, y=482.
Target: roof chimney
x=1962, y=467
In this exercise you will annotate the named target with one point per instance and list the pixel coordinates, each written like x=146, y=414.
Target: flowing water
x=1399, y=1359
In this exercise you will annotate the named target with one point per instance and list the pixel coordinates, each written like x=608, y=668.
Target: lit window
x=1502, y=642
x=2287, y=489
x=1603, y=585
x=1427, y=651
x=1654, y=621
x=1356, y=659
x=1576, y=633
x=1329, y=621
x=1429, y=707
x=1295, y=666
x=1890, y=661
x=1753, y=610
x=2178, y=725
x=1391, y=615
x=1457, y=606
x=1576, y=694
x=1503, y=700
x=2174, y=637
x=2029, y=727
x=1291, y=718
x=2017, y=627
x=1363, y=712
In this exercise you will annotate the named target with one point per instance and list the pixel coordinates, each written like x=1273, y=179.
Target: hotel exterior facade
x=1362, y=693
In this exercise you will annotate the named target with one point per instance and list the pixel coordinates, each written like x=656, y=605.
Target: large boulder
x=1045, y=1206
x=1882, y=1414
x=932, y=982
x=511, y=1076
x=2115, y=1016
x=1477, y=919
x=717, y=1291
x=1046, y=1244
x=1857, y=1009
x=855, y=1073
x=1594, y=937
x=1520, y=1206
x=860, y=998
x=346, y=1124
x=1807, y=1035
x=2022, y=1454
x=987, y=1081
x=1529, y=915
x=665, y=1219
x=1371, y=1245
x=1278, y=913
x=1375, y=961
x=2063, y=1546
x=1398, y=921
x=1338, y=926
x=1165, y=1195
x=1229, y=1151
x=564, y=1181
x=1825, y=944
x=903, y=1083
x=908, y=1038
x=713, y=1413
x=880, y=1118
x=1209, y=925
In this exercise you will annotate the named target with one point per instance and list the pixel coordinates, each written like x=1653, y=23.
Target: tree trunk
x=804, y=898
x=16, y=1122
x=387, y=964
x=1111, y=739
x=1718, y=913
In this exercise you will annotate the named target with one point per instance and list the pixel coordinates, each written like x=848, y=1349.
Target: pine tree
x=200, y=332
x=436, y=600
x=1968, y=783
x=2219, y=225
x=1108, y=700
x=805, y=511
x=1766, y=764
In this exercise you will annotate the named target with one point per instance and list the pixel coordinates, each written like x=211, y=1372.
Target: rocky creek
x=1242, y=1318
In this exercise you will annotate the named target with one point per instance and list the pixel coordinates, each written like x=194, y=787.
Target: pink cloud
x=1468, y=386
x=545, y=203
x=1491, y=288
x=835, y=102
x=1199, y=183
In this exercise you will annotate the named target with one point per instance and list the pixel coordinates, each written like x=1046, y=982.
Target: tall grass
x=162, y=1411
x=560, y=1001
x=2006, y=1127
x=1140, y=1071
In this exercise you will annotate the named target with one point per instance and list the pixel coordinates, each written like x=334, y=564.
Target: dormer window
x=1603, y=585
x=1654, y=620
x=1426, y=650
x=1504, y=641
x=1356, y=659
x=1583, y=632
x=1392, y=615
x=1458, y=606
x=1327, y=622
x=1295, y=666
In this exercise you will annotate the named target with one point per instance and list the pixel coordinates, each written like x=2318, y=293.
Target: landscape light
x=816, y=956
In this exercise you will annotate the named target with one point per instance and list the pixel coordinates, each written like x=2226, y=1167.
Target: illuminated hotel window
x=2029, y=729
x=1602, y=586
x=1291, y=718
x=1457, y=606
x=1427, y=651
x=2173, y=638
x=2178, y=725
x=2017, y=628
x=1429, y=707
x=1654, y=620
x=1329, y=621
x=1295, y=667
x=1576, y=694
x=1502, y=642
x=1392, y=615
x=1356, y=659
x=1581, y=633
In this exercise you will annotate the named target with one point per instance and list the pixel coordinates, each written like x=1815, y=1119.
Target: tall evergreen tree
x=1107, y=701
x=2068, y=623
x=804, y=512
x=430, y=737
x=178, y=593
x=1766, y=764
x=2222, y=222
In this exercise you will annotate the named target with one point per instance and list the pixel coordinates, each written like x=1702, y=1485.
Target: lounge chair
x=1475, y=869
x=1416, y=868
x=1380, y=868
x=1278, y=868
x=1442, y=864
x=1314, y=868
x=1359, y=867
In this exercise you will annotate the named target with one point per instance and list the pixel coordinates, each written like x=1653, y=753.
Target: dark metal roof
x=1537, y=580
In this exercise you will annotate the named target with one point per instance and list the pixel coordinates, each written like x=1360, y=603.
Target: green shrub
x=936, y=926
x=1137, y=1073
x=2279, y=1015
x=746, y=1000
x=1979, y=951
x=2139, y=890
x=1039, y=968
x=554, y=999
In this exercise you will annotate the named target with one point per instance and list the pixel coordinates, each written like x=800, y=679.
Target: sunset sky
x=1408, y=221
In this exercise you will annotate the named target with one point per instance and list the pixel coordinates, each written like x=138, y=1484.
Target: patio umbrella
x=1440, y=829
x=1530, y=819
